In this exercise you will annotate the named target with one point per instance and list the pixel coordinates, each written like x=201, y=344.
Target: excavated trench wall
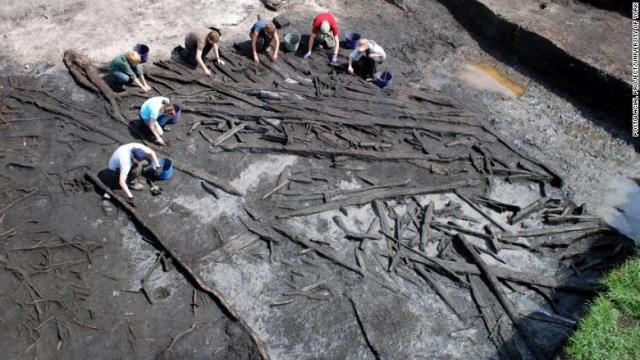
x=551, y=64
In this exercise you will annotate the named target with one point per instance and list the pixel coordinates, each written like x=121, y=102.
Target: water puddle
x=487, y=78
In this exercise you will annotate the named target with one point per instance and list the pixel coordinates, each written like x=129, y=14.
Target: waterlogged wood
x=214, y=180
x=234, y=245
x=426, y=225
x=234, y=130
x=379, y=194
x=320, y=250
x=593, y=226
x=215, y=294
x=428, y=278
x=480, y=210
x=359, y=154
x=506, y=303
x=527, y=210
x=504, y=273
x=81, y=61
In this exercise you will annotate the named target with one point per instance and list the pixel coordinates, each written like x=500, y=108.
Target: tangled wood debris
x=424, y=170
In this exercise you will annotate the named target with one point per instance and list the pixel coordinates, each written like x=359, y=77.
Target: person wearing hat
x=157, y=112
x=325, y=33
x=367, y=56
x=262, y=34
x=198, y=43
x=127, y=69
x=122, y=161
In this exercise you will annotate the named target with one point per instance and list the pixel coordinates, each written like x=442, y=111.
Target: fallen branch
x=199, y=283
x=367, y=340
x=378, y=194
x=8, y=206
x=214, y=180
x=496, y=288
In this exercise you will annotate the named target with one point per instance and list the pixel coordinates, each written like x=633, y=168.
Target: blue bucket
x=351, y=40
x=167, y=169
x=176, y=118
x=143, y=50
x=383, y=79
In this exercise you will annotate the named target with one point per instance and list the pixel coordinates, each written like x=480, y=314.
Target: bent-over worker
x=367, y=56
x=198, y=43
x=156, y=113
x=123, y=160
x=325, y=33
x=127, y=69
x=263, y=33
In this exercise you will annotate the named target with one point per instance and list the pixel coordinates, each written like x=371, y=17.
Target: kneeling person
x=325, y=33
x=123, y=160
x=262, y=33
x=367, y=56
x=127, y=69
x=157, y=112
x=198, y=43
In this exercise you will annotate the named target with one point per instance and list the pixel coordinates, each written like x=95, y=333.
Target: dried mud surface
x=72, y=262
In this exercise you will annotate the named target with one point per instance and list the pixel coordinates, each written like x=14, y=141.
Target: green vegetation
x=611, y=327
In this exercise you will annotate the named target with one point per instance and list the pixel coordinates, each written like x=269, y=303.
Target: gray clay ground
x=427, y=47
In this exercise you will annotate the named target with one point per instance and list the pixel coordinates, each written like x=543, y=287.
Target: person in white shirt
x=367, y=56
x=123, y=160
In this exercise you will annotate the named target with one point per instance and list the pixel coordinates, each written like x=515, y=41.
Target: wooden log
x=365, y=334
x=215, y=294
x=426, y=224
x=428, y=278
x=581, y=286
x=378, y=194
x=229, y=134
x=381, y=211
x=341, y=194
x=208, y=188
x=498, y=326
x=83, y=62
x=480, y=211
x=556, y=181
x=320, y=250
x=506, y=303
x=263, y=231
x=276, y=188
x=234, y=245
x=557, y=230
x=527, y=210
x=493, y=238
x=214, y=180
x=494, y=204
x=420, y=141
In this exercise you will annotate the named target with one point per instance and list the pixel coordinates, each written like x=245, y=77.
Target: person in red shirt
x=325, y=33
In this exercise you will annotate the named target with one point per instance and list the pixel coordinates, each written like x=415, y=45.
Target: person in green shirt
x=127, y=69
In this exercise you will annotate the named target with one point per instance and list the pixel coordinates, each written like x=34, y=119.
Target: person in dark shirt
x=199, y=43
x=127, y=69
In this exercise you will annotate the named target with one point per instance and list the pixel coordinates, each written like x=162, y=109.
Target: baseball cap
x=139, y=154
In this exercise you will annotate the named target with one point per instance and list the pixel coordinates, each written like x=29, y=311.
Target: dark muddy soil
x=310, y=287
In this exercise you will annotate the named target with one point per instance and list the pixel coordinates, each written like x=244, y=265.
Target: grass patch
x=611, y=329
x=624, y=287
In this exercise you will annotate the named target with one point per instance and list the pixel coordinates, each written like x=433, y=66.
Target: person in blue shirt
x=157, y=112
x=263, y=33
